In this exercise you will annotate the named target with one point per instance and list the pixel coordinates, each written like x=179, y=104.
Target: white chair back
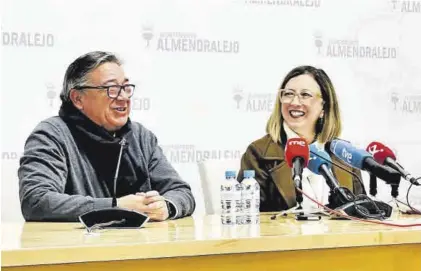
x=212, y=173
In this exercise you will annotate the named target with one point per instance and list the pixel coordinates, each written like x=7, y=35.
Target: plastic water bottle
x=230, y=199
x=250, y=198
x=238, y=193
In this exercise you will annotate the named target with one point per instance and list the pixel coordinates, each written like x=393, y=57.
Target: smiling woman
x=306, y=107
x=314, y=115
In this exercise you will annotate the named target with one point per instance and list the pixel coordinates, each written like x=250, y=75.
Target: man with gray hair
x=70, y=160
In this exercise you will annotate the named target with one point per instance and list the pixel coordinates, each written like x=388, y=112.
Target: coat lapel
x=280, y=173
x=282, y=177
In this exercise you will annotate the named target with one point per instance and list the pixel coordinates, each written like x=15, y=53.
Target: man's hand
x=150, y=203
x=156, y=205
x=133, y=202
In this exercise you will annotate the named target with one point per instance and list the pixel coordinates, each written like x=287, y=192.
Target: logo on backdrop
x=52, y=94
x=395, y=100
x=406, y=104
x=187, y=42
x=318, y=41
x=253, y=102
x=27, y=39
x=11, y=155
x=406, y=6
x=292, y=3
x=147, y=34
x=179, y=154
x=141, y=103
x=351, y=48
x=238, y=96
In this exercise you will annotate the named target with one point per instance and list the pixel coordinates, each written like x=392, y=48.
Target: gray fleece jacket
x=61, y=176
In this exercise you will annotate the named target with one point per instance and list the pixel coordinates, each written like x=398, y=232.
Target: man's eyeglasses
x=305, y=97
x=113, y=91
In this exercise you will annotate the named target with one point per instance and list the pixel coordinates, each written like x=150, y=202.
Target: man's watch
x=171, y=209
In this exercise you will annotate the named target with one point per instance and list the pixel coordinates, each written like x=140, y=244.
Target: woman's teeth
x=296, y=114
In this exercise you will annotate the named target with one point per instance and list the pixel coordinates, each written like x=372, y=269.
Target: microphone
x=363, y=160
x=320, y=163
x=385, y=156
x=341, y=198
x=113, y=217
x=296, y=156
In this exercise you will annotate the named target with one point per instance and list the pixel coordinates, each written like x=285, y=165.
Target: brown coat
x=277, y=190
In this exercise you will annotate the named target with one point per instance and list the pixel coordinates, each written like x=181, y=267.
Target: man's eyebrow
x=115, y=81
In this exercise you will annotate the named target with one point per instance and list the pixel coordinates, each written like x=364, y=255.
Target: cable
x=407, y=198
x=406, y=212
x=364, y=212
x=356, y=218
x=361, y=210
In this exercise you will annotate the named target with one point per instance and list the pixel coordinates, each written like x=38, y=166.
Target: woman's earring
x=319, y=125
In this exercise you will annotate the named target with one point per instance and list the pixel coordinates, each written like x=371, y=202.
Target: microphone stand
x=298, y=194
x=373, y=184
x=373, y=187
x=122, y=144
x=297, y=172
x=299, y=211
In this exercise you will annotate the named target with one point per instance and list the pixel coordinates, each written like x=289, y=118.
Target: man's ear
x=76, y=98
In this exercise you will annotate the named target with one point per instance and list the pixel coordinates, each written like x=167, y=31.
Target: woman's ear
x=76, y=98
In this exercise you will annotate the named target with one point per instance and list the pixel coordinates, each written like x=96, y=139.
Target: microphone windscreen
x=318, y=157
x=296, y=147
x=380, y=152
x=348, y=153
